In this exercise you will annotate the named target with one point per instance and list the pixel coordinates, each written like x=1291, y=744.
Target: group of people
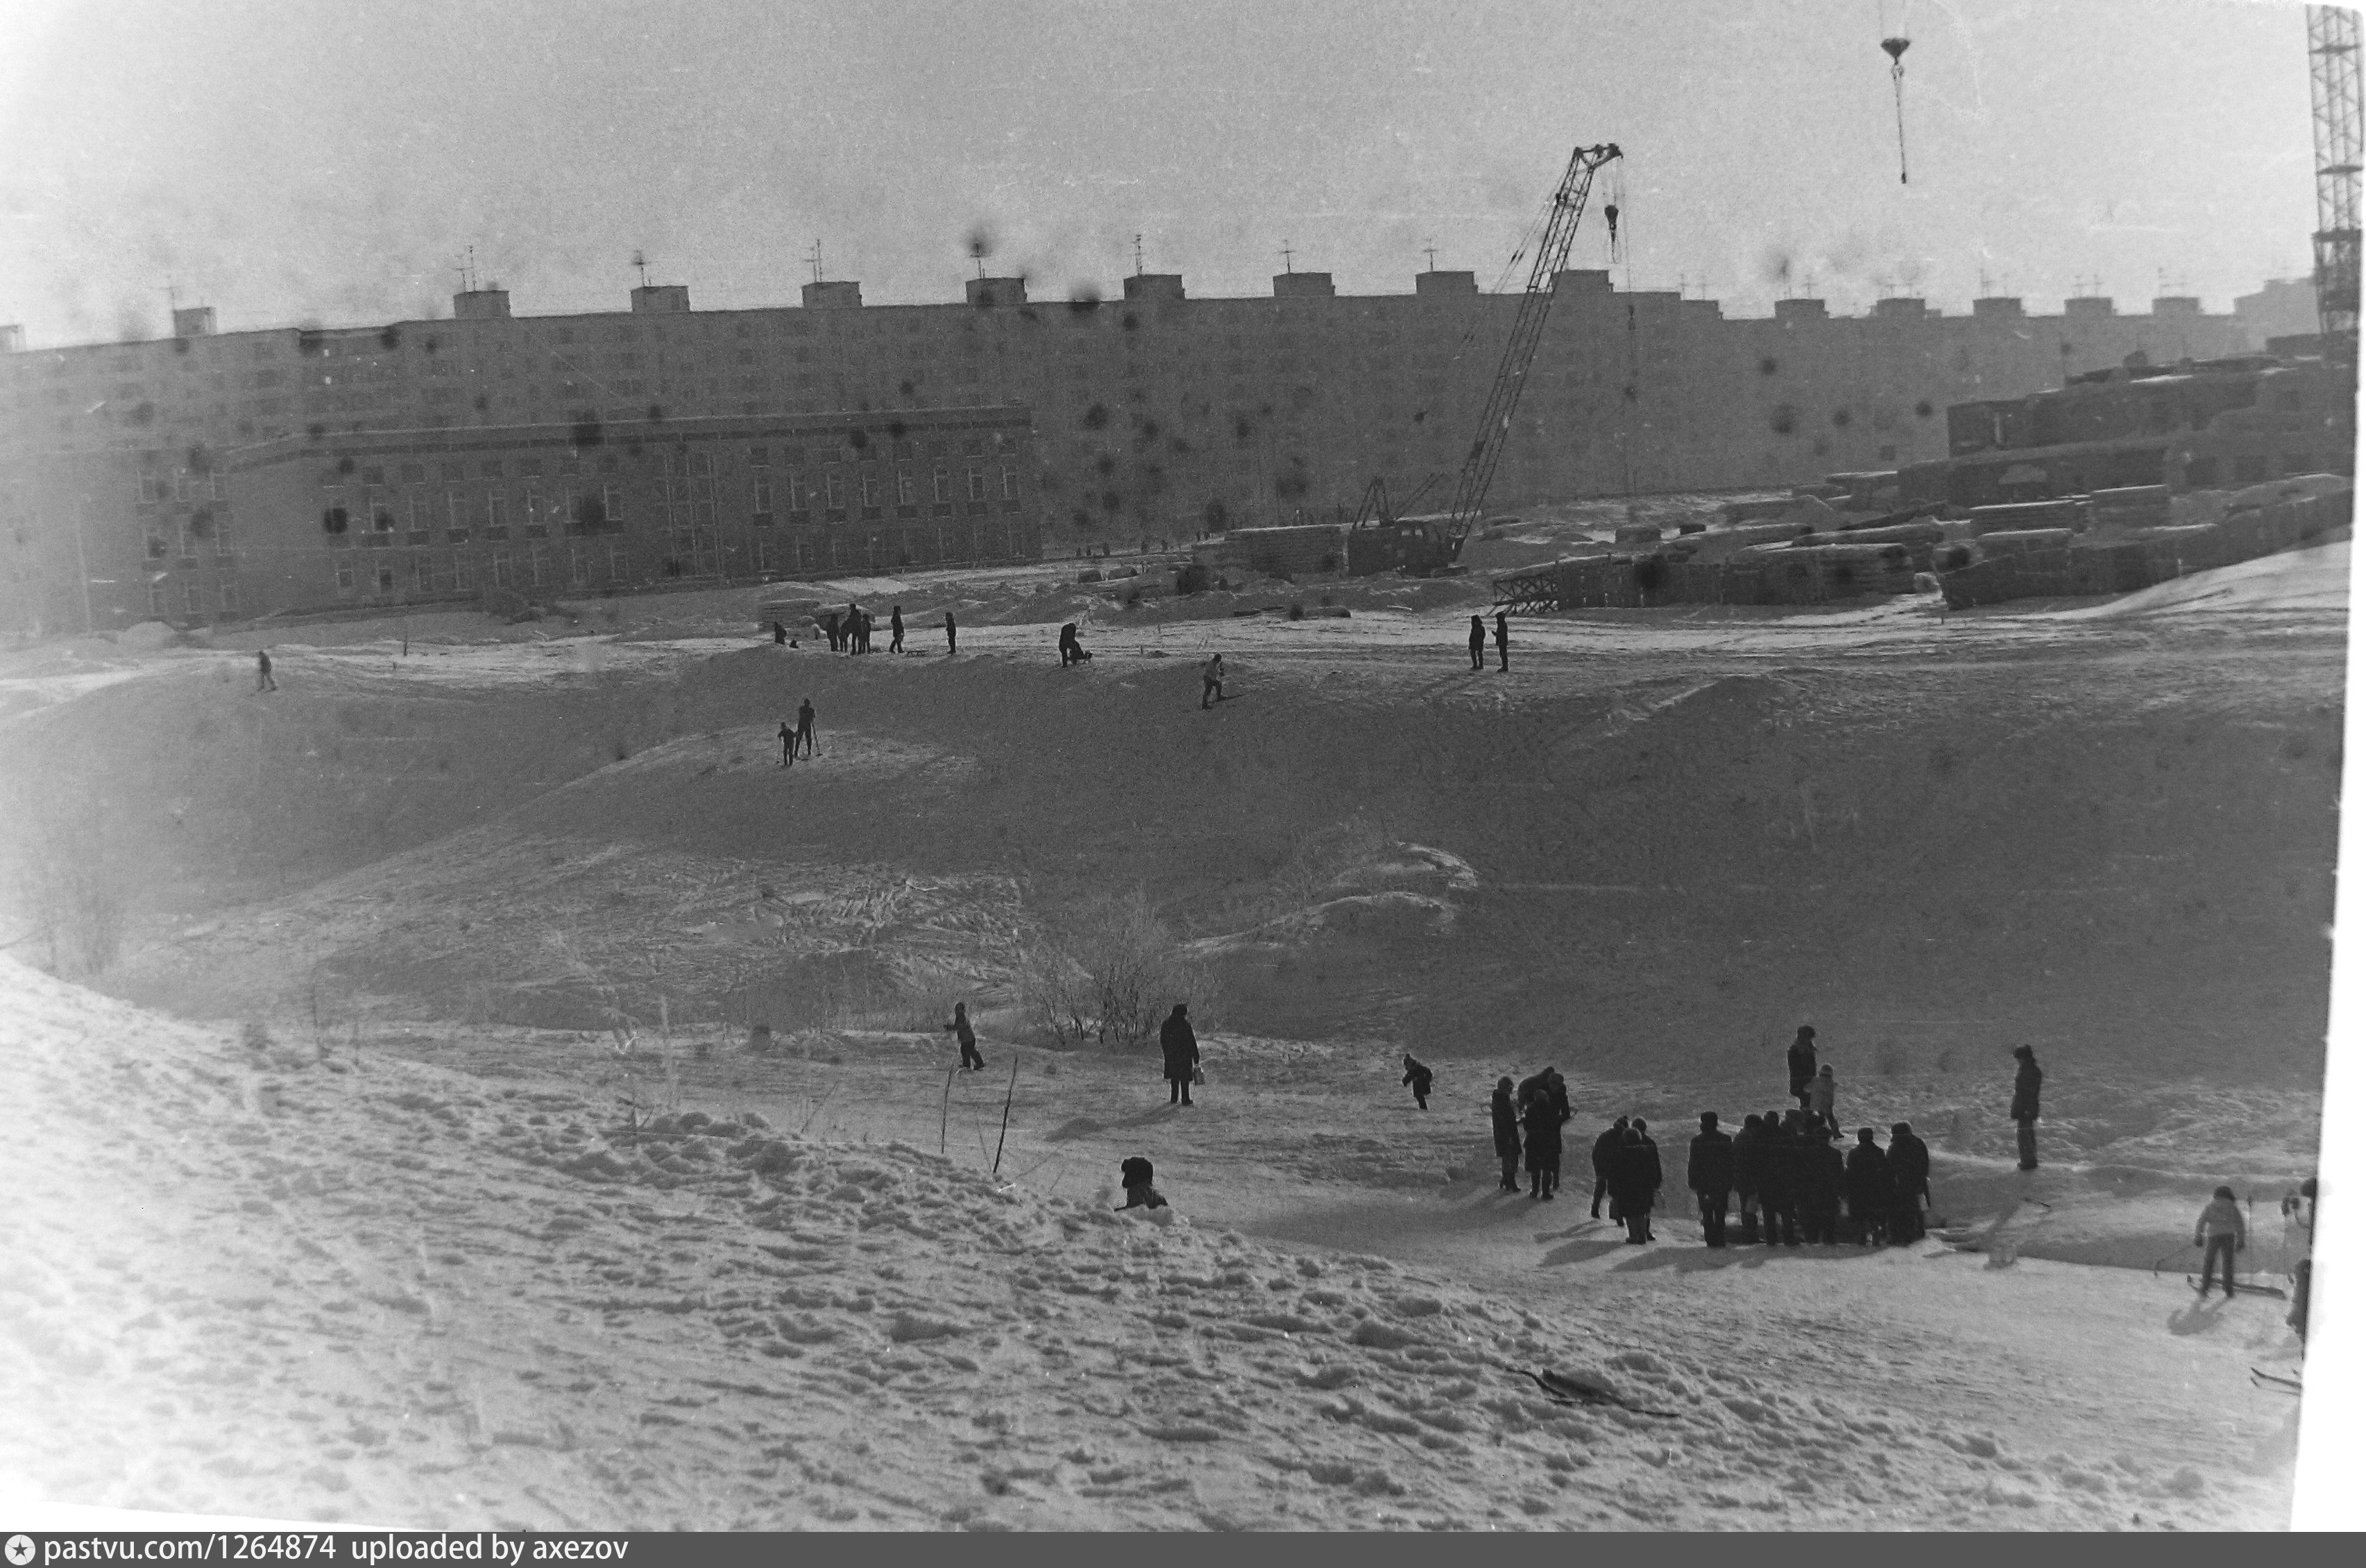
x=1528, y=1119
x=849, y=630
x=800, y=738
x=1479, y=642
x=1788, y=1180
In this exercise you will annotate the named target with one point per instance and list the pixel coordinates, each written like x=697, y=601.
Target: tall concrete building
x=1151, y=413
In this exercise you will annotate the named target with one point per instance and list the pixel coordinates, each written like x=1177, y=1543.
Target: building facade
x=1153, y=414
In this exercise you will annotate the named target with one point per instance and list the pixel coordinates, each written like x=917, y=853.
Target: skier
x=1709, y=1173
x=1507, y=1134
x=263, y=680
x=1478, y=644
x=2221, y=1223
x=1502, y=643
x=1179, y=1049
x=1606, y=1159
x=1636, y=1182
x=1910, y=1183
x=1542, y=1123
x=788, y=743
x=1135, y=1173
x=1418, y=1077
x=895, y=628
x=1802, y=1064
x=1821, y=1091
x=2026, y=1082
x=806, y=726
x=951, y=644
x=1749, y=1160
x=967, y=1037
x=1823, y=1176
x=1870, y=1198
x=1211, y=681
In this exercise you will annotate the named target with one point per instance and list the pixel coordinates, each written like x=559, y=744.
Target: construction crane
x=1379, y=541
x=2333, y=92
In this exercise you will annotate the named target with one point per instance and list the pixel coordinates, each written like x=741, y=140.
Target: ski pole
x=1006, y=1114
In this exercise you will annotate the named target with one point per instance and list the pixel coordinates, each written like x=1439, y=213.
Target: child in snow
x=1211, y=680
x=1821, y=1091
x=1139, y=1194
x=2222, y=1224
x=967, y=1038
x=1419, y=1077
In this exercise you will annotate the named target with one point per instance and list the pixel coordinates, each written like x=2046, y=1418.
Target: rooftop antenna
x=815, y=259
x=1285, y=257
x=641, y=266
x=1430, y=251
x=1137, y=255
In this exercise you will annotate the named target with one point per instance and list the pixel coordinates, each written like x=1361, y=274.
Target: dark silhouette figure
x=1870, y=1196
x=1478, y=643
x=788, y=743
x=2026, y=1082
x=952, y=645
x=1502, y=643
x=263, y=680
x=1606, y=1159
x=1749, y=1162
x=780, y=635
x=1709, y=1173
x=1135, y=1174
x=967, y=1037
x=1211, y=681
x=1910, y=1183
x=1635, y=1184
x=806, y=726
x=895, y=628
x=1179, y=1049
x=2221, y=1226
x=1542, y=1124
x=855, y=640
x=1778, y=1178
x=1803, y=1065
x=1071, y=650
x=1418, y=1078
x=1507, y=1134
x=1822, y=1178
x=831, y=630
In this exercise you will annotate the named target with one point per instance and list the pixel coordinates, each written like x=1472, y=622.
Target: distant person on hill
x=1178, y=1049
x=1211, y=681
x=1135, y=1174
x=1749, y=1160
x=1478, y=643
x=1822, y=1090
x=1502, y=643
x=1071, y=650
x=895, y=628
x=1418, y=1077
x=788, y=743
x=853, y=627
x=1542, y=1124
x=830, y=629
x=1778, y=1177
x=1557, y=1088
x=263, y=680
x=952, y=635
x=1910, y=1183
x=1507, y=1134
x=1822, y=1178
x=2026, y=1082
x=1870, y=1198
x=967, y=1038
x=2222, y=1224
x=1802, y=1064
x=1606, y=1159
x=1709, y=1171
x=806, y=726
x=1636, y=1183
x=780, y=635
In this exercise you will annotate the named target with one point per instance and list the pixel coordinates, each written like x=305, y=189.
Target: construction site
x=485, y=1037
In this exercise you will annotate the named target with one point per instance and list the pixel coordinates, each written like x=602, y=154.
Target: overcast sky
x=329, y=159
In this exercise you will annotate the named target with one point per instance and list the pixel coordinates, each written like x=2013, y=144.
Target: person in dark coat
x=1606, y=1160
x=1869, y=1195
x=953, y=637
x=788, y=743
x=1507, y=1134
x=1642, y=1130
x=1803, y=1065
x=1778, y=1178
x=1418, y=1077
x=1180, y=1049
x=806, y=726
x=1749, y=1160
x=1910, y=1183
x=830, y=629
x=2026, y=1082
x=967, y=1038
x=1822, y=1178
x=263, y=680
x=1135, y=1174
x=1709, y=1171
x=1557, y=1088
x=854, y=641
x=1478, y=643
x=1071, y=650
x=1636, y=1182
x=895, y=628
x=780, y=635
x=1542, y=1124
x=1502, y=643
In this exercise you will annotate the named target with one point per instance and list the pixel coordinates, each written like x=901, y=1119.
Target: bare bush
x=1111, y=970
x=71, y=891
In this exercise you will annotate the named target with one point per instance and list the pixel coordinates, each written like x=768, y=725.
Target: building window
x=796, y=491
x=345, y=580
x=836, y=483
x=534, y=566
x=496, y=513
x=456, y=504
x=230, y=598
x=907, y=487
x=977, y=484
x=577, y=573
x=221, y=535
x=501, y=570
x=464, y=573
x=944, y=483
x=156, y=598
x=385, y=579
x=870, y=485
x=612, y=505
x=491, y=470
x=763, y=553
x=761, y=494
x=1009, y=483
x=759, y=457
x=617, y=566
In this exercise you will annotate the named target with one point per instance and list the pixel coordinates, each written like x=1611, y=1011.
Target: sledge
x=2244, y=1286
x=2262, y=1378
x=1561, y=1388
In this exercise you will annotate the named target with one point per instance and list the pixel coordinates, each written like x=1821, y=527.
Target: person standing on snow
x=1749, y=1160
x=1636, y=1182
x=1910, y=1183
x=1502, y=643
x=1824, y=1177
x=1822, y=1090
x=780, y=635
x=806, y=726
x=1478, y=644
x=967, y=1037
x=2026, y=1082
x=1179, y=1050
x=1542, y=1123
x=1802, y=1057
x=1419, y=1079
x=1211, y=681
x=788, y=743
x=952, y=644
x=263, y=680
x=895, y=628
x=1709, y=1171
x=1606, y=1159
x=1869, y=1195
x=2222, y=1224
x=1778, y=1177
x=1507, y=1134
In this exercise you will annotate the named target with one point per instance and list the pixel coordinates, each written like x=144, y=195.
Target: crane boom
x=1496, y=425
